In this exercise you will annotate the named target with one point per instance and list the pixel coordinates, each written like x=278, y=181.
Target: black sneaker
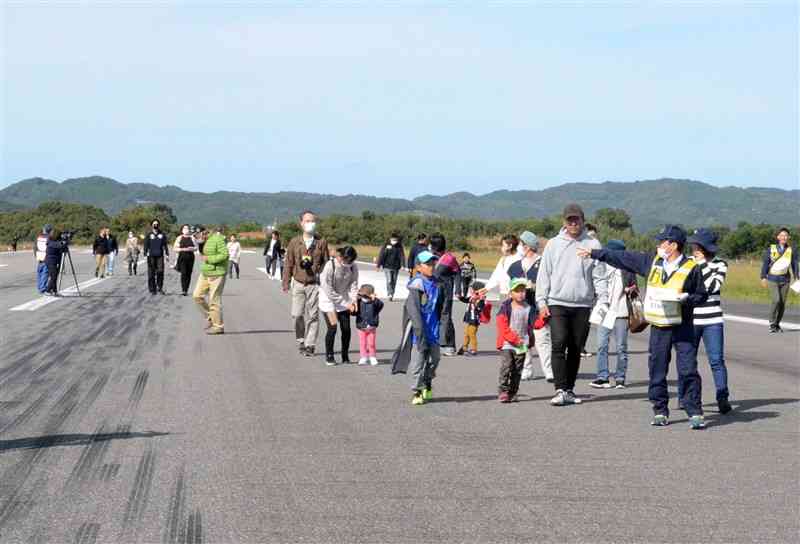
x=309, y=352
x=600, y=384
x=301, y=348
x=773, y=330
x=619, y=384
x=724, y=406
x=330, y=361
x=779, y=328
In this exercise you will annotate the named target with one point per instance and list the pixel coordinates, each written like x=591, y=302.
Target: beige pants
x=101, y=261
x=213, y=286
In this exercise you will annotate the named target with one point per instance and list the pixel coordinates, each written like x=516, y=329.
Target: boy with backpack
x=422, y=314
x=477, y=312
x=515, y=322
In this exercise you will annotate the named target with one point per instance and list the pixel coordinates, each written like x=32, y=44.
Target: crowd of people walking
x=548, y=300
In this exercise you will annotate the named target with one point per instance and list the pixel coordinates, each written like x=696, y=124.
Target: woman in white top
x=338, y=295
x=234, y=252
x=499, y=278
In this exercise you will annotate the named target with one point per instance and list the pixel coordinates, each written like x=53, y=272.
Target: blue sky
x=401, y=99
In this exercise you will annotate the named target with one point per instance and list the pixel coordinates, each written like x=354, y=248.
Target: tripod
x=67, y=256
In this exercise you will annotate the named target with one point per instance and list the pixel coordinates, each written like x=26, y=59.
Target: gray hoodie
x=566, y=279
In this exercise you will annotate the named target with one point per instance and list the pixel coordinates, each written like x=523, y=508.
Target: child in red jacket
x=515, y=321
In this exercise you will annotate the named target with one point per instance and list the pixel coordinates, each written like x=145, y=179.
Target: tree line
x=369, y=228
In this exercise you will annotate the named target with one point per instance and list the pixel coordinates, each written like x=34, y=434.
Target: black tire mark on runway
x=194, y=529
x=87, y=533
x=138, y=389
x=137, y=501
x=91, y=456
x=177, y=505
x=29, y=413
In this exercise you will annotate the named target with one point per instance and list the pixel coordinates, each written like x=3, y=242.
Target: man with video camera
x=306, y=255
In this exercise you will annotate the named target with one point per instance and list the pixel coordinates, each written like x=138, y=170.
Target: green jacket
x=216, y=251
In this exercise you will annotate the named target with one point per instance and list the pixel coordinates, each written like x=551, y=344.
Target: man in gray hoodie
x=566, y=290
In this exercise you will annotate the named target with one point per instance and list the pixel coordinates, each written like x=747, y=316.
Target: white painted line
x=249, y=251
x=764, y=322
x=37, y=303
x=44, y=301
x=3, y=265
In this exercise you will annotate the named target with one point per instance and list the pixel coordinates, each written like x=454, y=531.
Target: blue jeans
x=621, y=339
x=41, y=277
x=391, y=280
x=713, y=337
x=110, y=264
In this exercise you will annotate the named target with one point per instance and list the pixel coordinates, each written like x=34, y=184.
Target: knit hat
x=529, y=239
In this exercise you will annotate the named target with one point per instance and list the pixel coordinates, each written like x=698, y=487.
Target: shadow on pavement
x=478, y=398
x=262, y=331
x=741, y=411
x=49, y=441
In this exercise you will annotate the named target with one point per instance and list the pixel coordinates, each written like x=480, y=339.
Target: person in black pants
x=156, y=250
x=391, y=258
x=272, y=253
x=467, y=274
x=55, y=248
x=185, y=248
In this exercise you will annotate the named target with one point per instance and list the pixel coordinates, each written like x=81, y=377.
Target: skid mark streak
x=182, y=529
x=138, y=389
x=137, y=501
x=87, y=533
x=90, y=458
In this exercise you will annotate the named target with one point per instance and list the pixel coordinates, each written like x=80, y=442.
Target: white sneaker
x=373, y=361
x=363, y=361
x=571, y=398
x=526, y=376
x=560, y=399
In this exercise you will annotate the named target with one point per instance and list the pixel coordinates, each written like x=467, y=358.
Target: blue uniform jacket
x=640, y=263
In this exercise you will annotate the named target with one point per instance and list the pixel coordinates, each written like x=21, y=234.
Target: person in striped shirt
x=708, y=322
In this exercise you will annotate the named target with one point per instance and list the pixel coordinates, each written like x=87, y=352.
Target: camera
x=306, y=262
x=66, y=236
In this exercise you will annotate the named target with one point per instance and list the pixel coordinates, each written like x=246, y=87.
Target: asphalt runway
x=120, y=421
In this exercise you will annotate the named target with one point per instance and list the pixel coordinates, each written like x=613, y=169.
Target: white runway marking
x=764, y=322
x=37, y=303
x=3, y=265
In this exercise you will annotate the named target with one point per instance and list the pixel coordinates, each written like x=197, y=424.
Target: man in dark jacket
x=777, y=268
x=156, y=249
x=55, y=248
x=100, y=251
x=113, y=251
x=391, y=258
x=674, y=287
x=419, y=247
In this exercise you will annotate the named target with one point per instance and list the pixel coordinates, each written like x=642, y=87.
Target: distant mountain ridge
x=650, y=203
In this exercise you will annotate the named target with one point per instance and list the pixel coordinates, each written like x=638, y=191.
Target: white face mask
x=309, y=227
x=393, y=242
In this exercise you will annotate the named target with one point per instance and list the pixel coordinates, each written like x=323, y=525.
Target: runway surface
x=120, y=421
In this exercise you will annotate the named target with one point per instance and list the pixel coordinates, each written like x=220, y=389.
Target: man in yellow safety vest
x=674, y=287
x=777, y=269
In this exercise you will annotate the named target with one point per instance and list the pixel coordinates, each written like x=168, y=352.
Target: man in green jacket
x=212, y=280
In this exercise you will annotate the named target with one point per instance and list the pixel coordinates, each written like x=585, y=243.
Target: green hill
x=650, y=203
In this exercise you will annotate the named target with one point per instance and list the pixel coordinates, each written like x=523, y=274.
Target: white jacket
x=234, y=250
x=499, y=277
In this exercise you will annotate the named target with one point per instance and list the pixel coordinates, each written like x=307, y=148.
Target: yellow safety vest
x=661, y=305
x=780, y=263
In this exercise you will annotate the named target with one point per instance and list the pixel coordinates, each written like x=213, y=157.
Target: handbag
x=636, y=320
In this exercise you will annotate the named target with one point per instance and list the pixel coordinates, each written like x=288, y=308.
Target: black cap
x=705, y=238
x=673, y=233
x=572, y=210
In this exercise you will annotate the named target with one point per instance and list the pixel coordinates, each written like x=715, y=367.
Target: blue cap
x=705, y=238
x=673, y=233
x=616, y=245
x=529, y=239
x=426, y=256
